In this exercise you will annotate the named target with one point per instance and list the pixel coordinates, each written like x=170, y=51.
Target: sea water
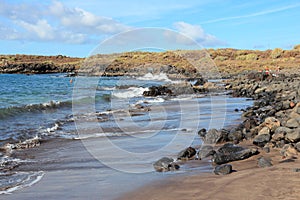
x=122, y=134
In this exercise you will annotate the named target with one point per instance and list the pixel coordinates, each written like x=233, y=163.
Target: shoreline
x=247, y=182
x=255, y=120
x=248, y=179
x=62, y=156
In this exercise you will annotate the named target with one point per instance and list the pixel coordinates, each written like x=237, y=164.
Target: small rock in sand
x=264, y=162
x=223, y=169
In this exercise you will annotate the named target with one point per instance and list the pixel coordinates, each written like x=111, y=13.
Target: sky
x=77, y=27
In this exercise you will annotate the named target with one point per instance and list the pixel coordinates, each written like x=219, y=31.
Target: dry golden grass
x=185, y=62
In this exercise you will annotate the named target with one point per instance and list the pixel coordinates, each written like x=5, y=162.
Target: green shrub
x=221, y=58
x=250, y=56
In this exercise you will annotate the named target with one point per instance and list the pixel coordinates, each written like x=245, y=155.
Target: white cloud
x=54, y=22
x=41, y=29
x=196, y=33
x=77, y=18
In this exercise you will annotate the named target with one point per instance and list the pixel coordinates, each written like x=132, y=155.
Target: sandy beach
x=248, y=181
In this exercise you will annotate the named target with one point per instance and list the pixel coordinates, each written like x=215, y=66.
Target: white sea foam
x=51, y=104
x=130, y=92
x=53, y=129
x=96, y=135
x=158, y=77
x=29, y=143
x=155, y=100
x=21, y=180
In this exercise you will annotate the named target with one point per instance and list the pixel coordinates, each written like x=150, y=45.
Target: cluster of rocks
x=185, y=87
x=273, y=122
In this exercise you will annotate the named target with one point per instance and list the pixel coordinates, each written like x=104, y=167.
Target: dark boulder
x=214, y=136
x=165, y=164
x=230, y=152
x=261, y=140
x=187, y=154
x=154, y=91
x=205, y=151
x=202, y=132
x=181, y=88
x=292, y=123
x=293, y=136
x=200, y=81
x=280, y=133
x=223, y=169
x=235, y=135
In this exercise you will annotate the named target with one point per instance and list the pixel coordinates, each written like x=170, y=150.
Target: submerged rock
x=165, y=164
x=230, y=152
x=223, y=169
x=187, y=154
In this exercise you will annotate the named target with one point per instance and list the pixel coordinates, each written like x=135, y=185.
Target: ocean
x=96, y=134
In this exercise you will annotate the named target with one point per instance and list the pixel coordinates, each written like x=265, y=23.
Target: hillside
x=185, y=63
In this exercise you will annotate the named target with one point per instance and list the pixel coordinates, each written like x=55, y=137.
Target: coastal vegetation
x=227, y=61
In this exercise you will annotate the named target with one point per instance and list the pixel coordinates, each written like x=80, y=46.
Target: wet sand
x=247, y=182
x=72, y=170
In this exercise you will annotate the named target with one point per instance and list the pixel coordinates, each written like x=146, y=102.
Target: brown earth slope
x=186, y=63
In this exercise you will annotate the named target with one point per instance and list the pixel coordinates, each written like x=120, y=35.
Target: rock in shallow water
x=223, y=169
x=165, y=164
x=205, y=151
x=187, y=154
x=214, y=136
x=202, y=132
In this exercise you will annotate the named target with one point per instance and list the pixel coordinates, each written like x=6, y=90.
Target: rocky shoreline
x=272, y=124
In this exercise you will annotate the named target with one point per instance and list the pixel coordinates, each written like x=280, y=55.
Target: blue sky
x=76, y=27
